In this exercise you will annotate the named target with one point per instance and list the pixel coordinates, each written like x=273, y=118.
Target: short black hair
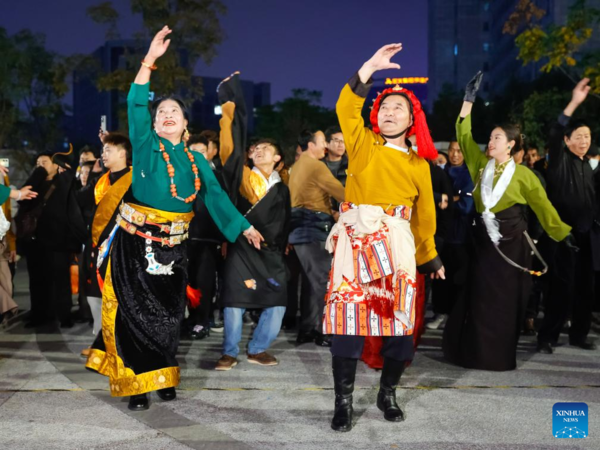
x=87, y=149
x=575, y=124
x=212, y=136
x=331, y=131
x=197, y=139
x=175, y=98
x=305, y=137
x=273, y=143
x=119, y=140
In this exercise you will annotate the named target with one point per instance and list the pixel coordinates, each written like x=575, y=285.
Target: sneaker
x=247, y=319
x=226, y=363
x=199, y=332
x=438, y=322
x=217, y=327
x=263, y=359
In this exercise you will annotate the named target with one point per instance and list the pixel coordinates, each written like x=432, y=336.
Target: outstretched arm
x=474, y=158
x=158, y=47
x=140, y=122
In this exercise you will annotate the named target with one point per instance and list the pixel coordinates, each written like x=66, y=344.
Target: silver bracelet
x=19, y=198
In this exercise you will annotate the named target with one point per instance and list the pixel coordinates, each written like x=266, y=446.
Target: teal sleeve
x=536, y=198
x=138, y=114
x=227, y=218
x=4, y=193
x=474, y=157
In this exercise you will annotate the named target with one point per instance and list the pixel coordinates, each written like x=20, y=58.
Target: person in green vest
x=143, y=291
x=483, y=328
x=25, y=193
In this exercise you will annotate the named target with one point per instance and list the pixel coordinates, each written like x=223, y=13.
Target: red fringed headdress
x=419, y=128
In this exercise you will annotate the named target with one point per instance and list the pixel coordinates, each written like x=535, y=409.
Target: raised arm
x=140, y=122
x=354, y=93
x=474, y=158
x=555, y=141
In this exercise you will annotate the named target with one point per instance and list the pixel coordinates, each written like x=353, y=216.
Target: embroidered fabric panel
x=123, y=381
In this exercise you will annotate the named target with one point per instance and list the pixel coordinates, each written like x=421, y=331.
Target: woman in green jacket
x=483, y=331
x=144, y=259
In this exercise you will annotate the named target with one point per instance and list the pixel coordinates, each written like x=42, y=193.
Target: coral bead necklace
x=171, y=171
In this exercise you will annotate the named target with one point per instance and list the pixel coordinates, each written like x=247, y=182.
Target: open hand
x=381, y=59
x=159, y=45
x=581, y=91
x=254, y=237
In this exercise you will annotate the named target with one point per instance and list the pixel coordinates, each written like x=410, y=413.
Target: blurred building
x=89, y=103
x=466, y=36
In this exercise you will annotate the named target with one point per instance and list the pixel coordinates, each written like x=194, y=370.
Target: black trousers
x=204, y=261
x=298, y=286
x=571, y=290
x=49, y=282
x=400, y=348
x=316, y=264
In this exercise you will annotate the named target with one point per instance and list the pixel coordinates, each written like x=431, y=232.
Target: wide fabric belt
x=132, y=217
x=402, y=211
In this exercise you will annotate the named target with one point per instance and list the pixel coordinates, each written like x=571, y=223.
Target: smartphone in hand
x=103, y=124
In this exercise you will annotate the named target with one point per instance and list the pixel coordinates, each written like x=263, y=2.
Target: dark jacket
x=443, y=217
x=60, y=226
x=309, y=226
x=570, y=182
x=340, y=174
x=464, y=208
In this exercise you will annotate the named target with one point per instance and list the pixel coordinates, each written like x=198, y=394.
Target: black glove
x=571, y=243
x=473, y=87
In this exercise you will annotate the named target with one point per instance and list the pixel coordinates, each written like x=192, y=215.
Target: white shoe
x=438, y=322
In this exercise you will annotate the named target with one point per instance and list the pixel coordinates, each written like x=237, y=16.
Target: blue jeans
x=264, y=334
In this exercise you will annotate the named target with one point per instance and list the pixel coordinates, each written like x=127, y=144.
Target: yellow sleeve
x=11, y=239
x=359, y=139
x=226, y=149
x=423, y=220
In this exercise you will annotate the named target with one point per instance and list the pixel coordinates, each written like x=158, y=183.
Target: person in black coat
x=58, y=231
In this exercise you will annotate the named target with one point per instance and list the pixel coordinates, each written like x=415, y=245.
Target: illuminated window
x=455, y=49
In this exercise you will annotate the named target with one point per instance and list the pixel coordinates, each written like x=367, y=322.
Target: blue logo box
x=570, y=420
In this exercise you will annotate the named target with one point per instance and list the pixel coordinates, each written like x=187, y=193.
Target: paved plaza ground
x=49, y=401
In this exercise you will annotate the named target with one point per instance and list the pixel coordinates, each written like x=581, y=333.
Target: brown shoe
x=86, y=352
x=226, y=363
x=263, y=359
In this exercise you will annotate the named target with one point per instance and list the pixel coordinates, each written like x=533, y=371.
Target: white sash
x=490, y=195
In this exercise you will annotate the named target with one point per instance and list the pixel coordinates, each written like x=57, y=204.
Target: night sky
x=291, y=44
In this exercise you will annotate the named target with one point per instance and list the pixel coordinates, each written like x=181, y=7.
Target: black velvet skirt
x=141, y=314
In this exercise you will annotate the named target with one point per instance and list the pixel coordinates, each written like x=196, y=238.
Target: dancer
x=389, y=199
x=253, y=279
x=143, y=296
x=483, y=329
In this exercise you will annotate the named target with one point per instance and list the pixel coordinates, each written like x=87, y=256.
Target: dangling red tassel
x=193, y=296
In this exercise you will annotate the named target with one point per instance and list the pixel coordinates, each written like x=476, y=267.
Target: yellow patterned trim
x=97, y=360
x=160, y=216
x=123, y=380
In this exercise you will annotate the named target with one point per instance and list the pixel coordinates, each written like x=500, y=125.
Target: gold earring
x=186, y=135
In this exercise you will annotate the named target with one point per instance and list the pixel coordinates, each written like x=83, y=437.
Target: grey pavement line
x=161, y=419
x=318, y=389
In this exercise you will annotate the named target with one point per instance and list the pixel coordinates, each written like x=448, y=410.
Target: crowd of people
x=339, y=246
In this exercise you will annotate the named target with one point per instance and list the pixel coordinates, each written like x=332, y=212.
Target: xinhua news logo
x=570, y=420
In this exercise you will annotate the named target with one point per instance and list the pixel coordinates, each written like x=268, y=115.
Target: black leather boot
x=344, y=372
x=386, y=398
x=167, y=394
x=138, y=402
